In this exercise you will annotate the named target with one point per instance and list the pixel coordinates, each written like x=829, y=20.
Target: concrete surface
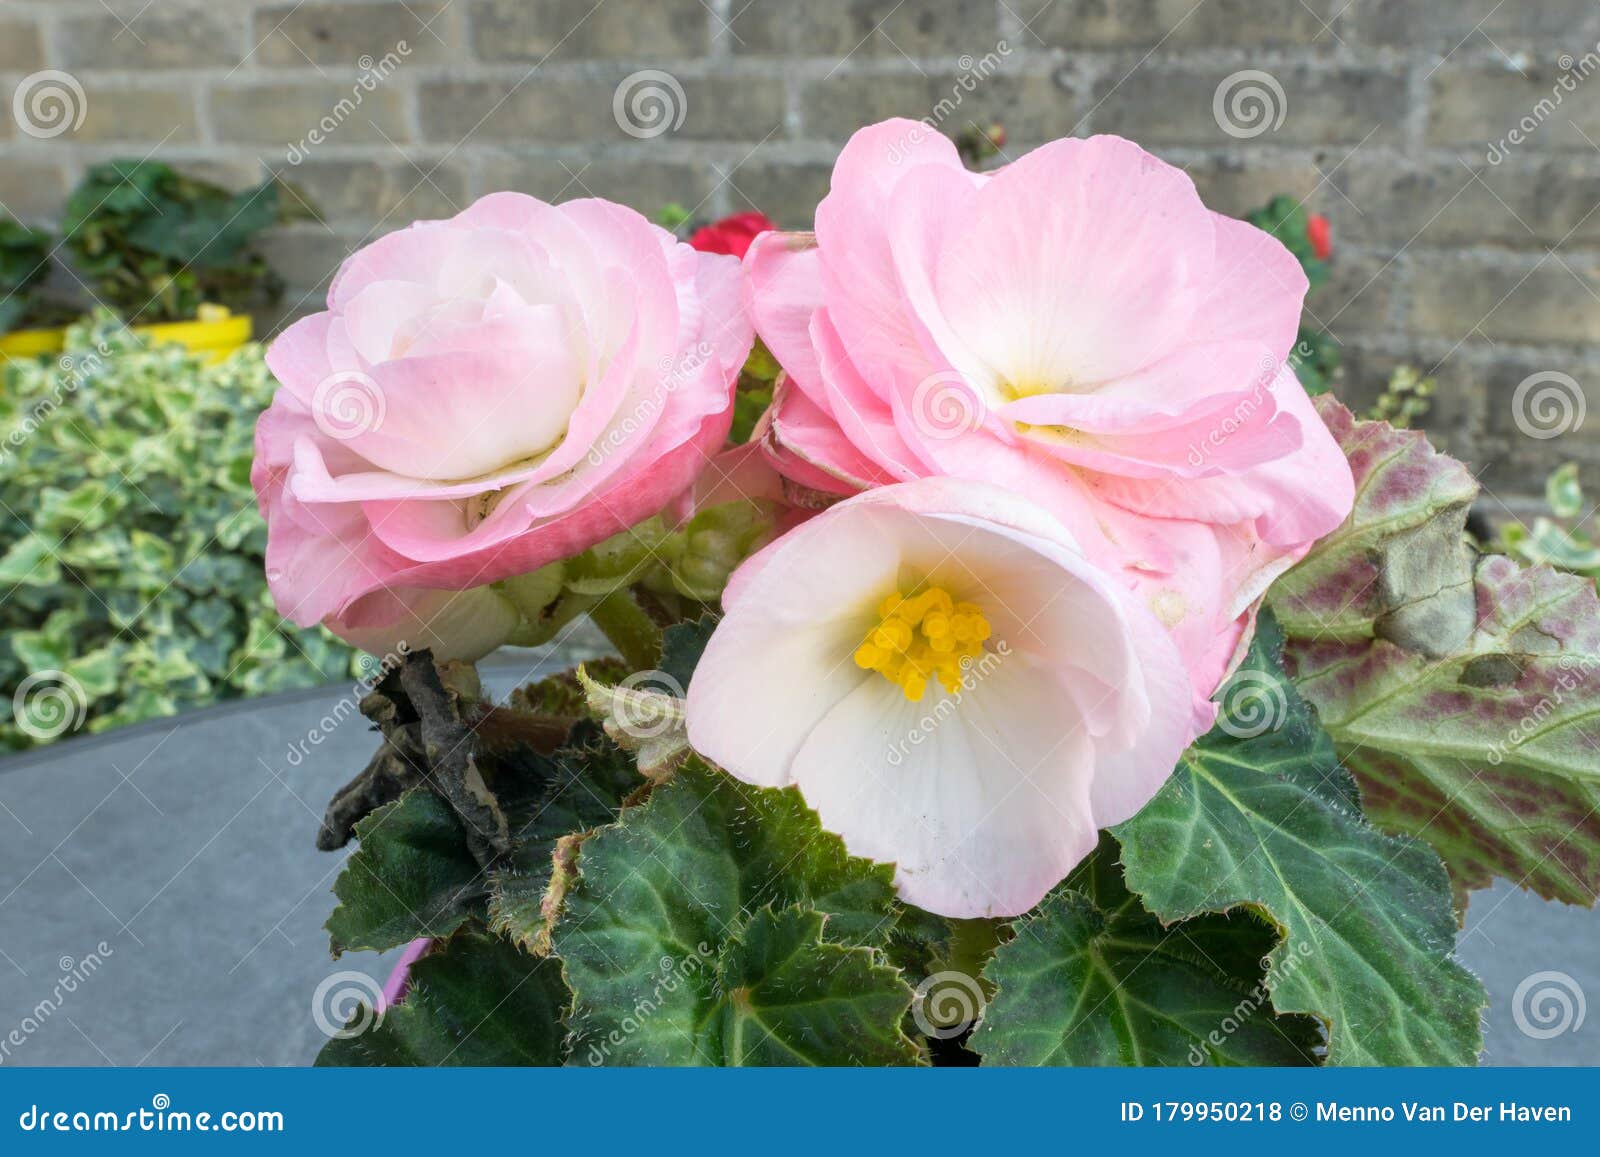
x=167, y=871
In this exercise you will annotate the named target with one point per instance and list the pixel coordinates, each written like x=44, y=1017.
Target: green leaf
x=668, y=913
x=1092, y=978
x=1269, y=820
x=1462, y=691
x=586, y=787
x=412, y=876
x=480, y=1001
x=682, y=644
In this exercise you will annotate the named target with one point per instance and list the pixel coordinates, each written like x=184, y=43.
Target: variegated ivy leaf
x=1462, y=690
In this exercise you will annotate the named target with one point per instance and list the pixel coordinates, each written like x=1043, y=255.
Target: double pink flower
x=1054, y=399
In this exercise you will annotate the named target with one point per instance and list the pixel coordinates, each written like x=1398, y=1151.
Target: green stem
x=631, y=631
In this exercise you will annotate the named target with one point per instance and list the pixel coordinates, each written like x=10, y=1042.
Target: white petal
x=982, y=805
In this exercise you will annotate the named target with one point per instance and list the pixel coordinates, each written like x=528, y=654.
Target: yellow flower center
x=922, y=636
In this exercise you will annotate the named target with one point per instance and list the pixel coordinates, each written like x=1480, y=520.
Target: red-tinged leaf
x=1462, y=690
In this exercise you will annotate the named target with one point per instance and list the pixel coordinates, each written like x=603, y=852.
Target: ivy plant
x=131, y=551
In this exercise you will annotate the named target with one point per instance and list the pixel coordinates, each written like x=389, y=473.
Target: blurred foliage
x=1555, y=540
x=153, y=243
x=131, y=551
x=1405, y=400
x=1315, y=359
x=24, y=264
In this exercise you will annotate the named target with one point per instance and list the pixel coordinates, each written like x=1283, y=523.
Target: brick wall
x=1463, y=251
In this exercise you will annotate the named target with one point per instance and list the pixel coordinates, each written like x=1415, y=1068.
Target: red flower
x=732, y=234
x=1320, y=234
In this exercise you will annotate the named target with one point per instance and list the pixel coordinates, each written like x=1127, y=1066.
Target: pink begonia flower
x=952, y=685
x=485, y=395
x=1076, y=326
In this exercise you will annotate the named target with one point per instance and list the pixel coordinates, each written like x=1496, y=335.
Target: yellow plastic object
x=215, y=333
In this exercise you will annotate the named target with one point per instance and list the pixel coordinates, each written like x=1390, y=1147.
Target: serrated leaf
x=1092, y=978
x=480, y=1001
x=1270, y=821
x=1462, y=691
x=412, y=876
x=586, y=788
x=663, y=913
x=682, y=644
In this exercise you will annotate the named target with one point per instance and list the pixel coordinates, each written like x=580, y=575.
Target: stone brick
x=1480, y=109
x=1525, y=202
x=645, y=185
x=837, y=29
x=585, y=29
x=1458, y=401
x=163, y=36
x=1501, y=374
x=300, y=35
x=31, y=190
x=1162, y=105
x=1551, y=301
x=394, y=191
x=1078, y=24
x=144, y=116
x=20, y=50
x=1357, y=298
x=786, y=191
x=1230, y=186
x=307, y=256
x=1472, y=24
x=286, y=115
x=575, y=109
x=1032, y=107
